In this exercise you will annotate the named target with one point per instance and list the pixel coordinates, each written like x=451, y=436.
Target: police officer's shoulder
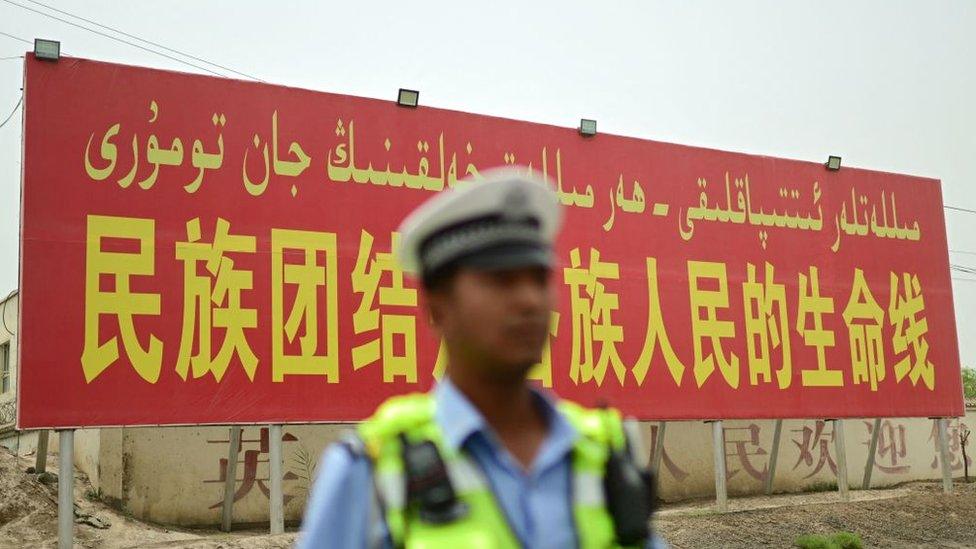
x=398, y=414
x=602, y=425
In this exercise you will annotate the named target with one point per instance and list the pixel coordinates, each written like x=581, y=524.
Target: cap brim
x=508, y=256
x=477, y=199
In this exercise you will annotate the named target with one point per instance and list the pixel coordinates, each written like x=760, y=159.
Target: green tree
x=969, y=382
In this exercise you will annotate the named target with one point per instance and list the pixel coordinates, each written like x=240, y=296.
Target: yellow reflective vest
x=484, y=525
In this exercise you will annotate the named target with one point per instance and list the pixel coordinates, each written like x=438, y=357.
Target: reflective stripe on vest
x=485, y=525
x=587, y=490
x=465, y=476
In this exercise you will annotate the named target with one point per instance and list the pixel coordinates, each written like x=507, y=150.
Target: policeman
x=485, y=459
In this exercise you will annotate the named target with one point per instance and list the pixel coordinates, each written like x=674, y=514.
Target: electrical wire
x=24, y=40
x=962, y=269
x=11, y=115
x=3, y=312
x=115, y=38
x=143, y=40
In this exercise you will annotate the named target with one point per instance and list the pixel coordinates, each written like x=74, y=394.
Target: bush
x=840, y=540
x=969, y=382
x=847, y=540
x=813, y=541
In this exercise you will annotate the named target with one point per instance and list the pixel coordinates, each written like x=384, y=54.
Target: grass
x=840, y=540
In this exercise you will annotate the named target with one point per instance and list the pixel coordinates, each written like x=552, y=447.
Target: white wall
x=172, y=475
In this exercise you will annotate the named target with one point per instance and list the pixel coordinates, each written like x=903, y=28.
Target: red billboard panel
x=207, y=251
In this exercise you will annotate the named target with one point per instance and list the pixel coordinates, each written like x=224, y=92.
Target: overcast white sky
x=888, y=85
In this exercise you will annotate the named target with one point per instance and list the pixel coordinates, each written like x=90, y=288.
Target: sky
x=888, y=85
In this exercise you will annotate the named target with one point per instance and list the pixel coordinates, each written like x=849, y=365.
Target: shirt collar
x=455, y=414
x=459, y=420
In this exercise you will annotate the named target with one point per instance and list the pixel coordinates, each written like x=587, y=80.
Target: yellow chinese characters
x=815, y=306
x=905, y=309
x=397, y=331
x=213, y=300
x=220, y=315
x=656, y=334
x=303, y=269
x=708, y=325
x=767, y=327
x=440, y=364
x=864, y=319
x=592, y=306
x=542, y=372
x=116, y=298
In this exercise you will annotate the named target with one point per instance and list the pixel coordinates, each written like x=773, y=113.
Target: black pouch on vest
x=631, y=498
x=428, y=483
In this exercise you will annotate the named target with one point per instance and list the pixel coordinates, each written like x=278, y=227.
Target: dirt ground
x=913, y=515
x=917, y=514
x=29, y=517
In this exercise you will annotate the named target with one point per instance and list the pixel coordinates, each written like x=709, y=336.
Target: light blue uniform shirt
x=536, y=502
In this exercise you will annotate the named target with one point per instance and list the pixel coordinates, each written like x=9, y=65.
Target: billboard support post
x=658, y=447
x=841, y=450
x=40, y=461
x=872, y=448
x=774, y=454
x=718, y=450
x=277, y=498
x=66, y=488
x=230, y=478
x=944, y=454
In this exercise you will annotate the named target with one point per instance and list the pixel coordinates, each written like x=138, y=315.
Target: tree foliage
x=969, y=383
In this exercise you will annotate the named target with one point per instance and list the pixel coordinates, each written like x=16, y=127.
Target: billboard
x=208, y=251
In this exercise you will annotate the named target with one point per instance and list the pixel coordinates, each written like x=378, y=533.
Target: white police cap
x=504, y=220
